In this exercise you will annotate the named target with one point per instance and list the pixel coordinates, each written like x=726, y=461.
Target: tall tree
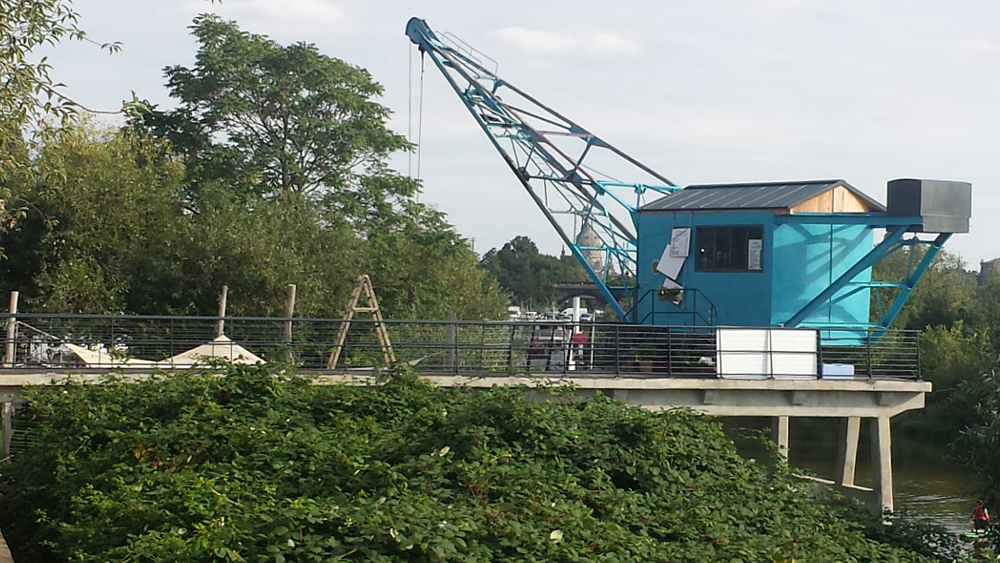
x=101, y=209
x=27, y=90
x=529, y=275
x=265, y=119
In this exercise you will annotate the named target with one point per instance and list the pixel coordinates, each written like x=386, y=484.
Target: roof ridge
x=766, y=184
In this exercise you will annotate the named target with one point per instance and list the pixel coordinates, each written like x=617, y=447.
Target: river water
x=925, y=481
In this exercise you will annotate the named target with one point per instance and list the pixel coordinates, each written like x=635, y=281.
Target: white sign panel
x=680, y=242
x=751, y=353
x=672, y=260
x=754, y=250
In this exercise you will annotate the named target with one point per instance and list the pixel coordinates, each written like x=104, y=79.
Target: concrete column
x=881, y=444
x=847, y=450
x=779, y=434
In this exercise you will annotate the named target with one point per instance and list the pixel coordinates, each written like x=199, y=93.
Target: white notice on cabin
x=680, y=243
x=754, y=247
x=672, y=260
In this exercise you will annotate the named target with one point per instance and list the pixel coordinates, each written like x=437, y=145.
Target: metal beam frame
x=892, y=243
x=524, y=131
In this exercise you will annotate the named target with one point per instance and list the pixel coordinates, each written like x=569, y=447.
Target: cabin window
x=729, y=248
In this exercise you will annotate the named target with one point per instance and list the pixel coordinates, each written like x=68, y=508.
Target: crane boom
x=550, y=155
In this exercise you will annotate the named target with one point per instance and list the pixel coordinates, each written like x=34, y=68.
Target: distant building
x=987, y=267
x=591, y=248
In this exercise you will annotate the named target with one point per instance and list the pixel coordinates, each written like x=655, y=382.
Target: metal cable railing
x=462, y=347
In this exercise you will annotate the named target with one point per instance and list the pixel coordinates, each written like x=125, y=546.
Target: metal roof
x=767, y=195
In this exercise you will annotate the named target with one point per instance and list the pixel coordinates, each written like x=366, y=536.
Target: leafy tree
x=529, y=275
x=949, y=357
x=101, y=210
x=978, y=448
x=27, y=90
x=286, y=148
x=264, y=119
x=423, y=269
x=943, y=296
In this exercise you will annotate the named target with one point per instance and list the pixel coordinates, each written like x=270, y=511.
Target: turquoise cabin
x=784, y=253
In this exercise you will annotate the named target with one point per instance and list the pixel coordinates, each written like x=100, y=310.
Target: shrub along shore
x=254, y=466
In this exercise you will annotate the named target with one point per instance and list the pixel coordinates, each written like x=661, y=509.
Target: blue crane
x=823, y=279
x=551, y=156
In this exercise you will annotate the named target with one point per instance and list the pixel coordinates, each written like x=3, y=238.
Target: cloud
x=565, y=42
x=298, y=14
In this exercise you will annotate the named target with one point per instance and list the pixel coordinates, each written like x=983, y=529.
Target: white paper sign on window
x=755, y=247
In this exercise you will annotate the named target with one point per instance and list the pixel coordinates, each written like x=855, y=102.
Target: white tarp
x=104, y=358
x=220, y=348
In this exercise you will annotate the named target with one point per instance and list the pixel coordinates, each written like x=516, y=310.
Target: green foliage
x=527, y=275
x=101, y=210
x=949, y=357
x=280, y=179
x=263, y=119
x=979, y=444
x=27, y=90
x=943, y=296
x=259, y=467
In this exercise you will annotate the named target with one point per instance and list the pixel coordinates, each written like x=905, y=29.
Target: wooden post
x=289, y=311
x=220, y=328
x=8, y=409
x=11, y=331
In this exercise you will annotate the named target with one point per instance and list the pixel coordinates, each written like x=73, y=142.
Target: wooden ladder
x=364, y=285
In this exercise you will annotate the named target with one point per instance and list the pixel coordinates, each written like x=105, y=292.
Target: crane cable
x=409, y=111
x=420, y=113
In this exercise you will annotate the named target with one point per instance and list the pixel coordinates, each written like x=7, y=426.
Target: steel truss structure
x=549, y=155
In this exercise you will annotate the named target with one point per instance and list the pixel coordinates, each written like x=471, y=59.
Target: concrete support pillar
x=881, y=444
x=779, y=434
x=847, y=450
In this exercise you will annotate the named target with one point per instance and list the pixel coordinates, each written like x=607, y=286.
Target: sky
x=708, y=91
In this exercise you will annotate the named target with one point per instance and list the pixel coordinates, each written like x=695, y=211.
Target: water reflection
x=926, y=483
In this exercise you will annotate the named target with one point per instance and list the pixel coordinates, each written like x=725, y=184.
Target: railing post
x=451, y=343
x=670, y=353
x=819, y=355
x=920, y=374
x=868, y=349
x=111, y=344
x=618, y=353
x=510, y=350
x=289, y=311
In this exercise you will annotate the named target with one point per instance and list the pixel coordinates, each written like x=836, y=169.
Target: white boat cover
x=220, y=348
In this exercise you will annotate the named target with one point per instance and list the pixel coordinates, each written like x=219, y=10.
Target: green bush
x=257, y=467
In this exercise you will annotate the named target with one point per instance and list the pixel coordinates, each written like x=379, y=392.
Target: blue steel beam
x=913, y=278
x=875, y=255
x=876, y=220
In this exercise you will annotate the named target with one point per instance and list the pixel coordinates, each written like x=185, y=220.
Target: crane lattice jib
x=550, y=154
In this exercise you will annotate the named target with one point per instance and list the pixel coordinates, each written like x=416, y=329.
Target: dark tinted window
x=731, y=248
